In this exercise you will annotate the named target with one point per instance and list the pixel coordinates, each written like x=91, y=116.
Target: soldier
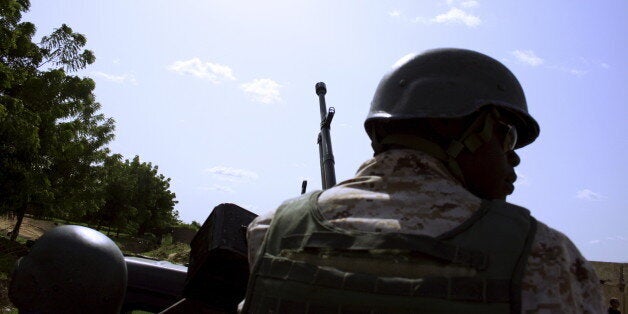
x=424, y=226
x=614, y=306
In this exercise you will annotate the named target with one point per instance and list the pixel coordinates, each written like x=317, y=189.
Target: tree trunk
x=142, y=228
x=20, y=216
x=161, y=239
x=99, y=224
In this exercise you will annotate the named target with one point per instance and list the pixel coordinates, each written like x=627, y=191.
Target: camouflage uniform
x=410, y=192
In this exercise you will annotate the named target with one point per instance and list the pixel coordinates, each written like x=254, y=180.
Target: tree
x=53, y=156
x=195, y=225
x=63, y=48
x=52, y=138
x=76, y=149
x=153, y=199
x=21, y=184
x=119, y=187
x=137, y=198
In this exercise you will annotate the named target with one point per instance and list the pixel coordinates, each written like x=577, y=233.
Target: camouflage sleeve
x=255, y=234
x=558, y=279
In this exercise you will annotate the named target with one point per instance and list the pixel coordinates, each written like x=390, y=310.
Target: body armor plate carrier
x=307, y=265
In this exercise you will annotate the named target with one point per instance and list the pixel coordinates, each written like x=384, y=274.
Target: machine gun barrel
x=326, y=155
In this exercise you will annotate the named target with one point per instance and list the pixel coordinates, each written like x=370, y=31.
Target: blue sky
x=220, y=94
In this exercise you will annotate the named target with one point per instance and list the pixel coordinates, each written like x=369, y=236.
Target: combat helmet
x=450, y=83
x=70, y=269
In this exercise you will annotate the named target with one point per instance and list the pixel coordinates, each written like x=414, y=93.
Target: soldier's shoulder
x=553, y=248
x=557, y=275
x=266, y=218
x=547, y=236
x=299, y=200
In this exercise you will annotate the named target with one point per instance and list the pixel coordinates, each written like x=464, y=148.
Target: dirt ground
x=30, y=229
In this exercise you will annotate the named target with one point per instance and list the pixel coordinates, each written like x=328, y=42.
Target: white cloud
x=580, y=67
x=469, y=4
x=527, y=57
x=572, y=71
x=589, y=195
x=394, y=13
x=522, y=180
x=263, y=90
x=403, y=60
x=120, y=79
x=232, y=174
x=595, y=62
x=575, y=72
x=456, y=16
x=213, y=72
x=608, y=239
x=218, y=188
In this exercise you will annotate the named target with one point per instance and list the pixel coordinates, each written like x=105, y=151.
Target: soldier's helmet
x=450, y=83
x=70, y=269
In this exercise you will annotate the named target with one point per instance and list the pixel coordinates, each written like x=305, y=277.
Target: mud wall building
x=613, y=281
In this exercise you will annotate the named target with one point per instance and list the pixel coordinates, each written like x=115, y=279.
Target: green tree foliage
x=51, y=134
x=195, y=225
x=119, y=187
x=153, y=199
x=53, y=156
x=21, y=166
x=64, y=48
x=137, y=198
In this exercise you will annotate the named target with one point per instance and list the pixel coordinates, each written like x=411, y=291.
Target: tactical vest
x=307, y=265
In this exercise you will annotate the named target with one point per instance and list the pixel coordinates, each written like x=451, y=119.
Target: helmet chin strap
x=470, y=139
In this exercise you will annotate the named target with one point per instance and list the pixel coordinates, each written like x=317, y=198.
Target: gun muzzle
x=321, y=88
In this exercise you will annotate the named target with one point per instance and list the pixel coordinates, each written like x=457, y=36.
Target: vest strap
x=453, y=288
x=416, y=244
